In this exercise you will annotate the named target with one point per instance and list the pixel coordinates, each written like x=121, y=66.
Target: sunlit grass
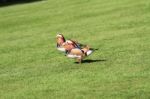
x=31, y=67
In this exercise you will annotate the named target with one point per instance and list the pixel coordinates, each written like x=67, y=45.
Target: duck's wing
x=89, y=52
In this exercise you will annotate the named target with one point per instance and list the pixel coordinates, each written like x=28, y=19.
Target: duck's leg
x=77, y=59
x=80, y=60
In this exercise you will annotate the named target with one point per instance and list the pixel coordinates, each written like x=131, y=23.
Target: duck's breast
x=75, y=53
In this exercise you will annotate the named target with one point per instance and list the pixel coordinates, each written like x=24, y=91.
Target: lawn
x=32, y=68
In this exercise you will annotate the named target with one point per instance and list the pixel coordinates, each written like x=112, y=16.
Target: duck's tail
x=89, y=52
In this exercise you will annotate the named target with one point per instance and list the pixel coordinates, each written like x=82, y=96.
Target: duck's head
x=60, y=39
x=59, y=36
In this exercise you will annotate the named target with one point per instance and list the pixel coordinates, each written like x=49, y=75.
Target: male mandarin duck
x=72, y=48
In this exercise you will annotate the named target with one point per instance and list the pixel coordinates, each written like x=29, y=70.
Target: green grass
x=32, y=68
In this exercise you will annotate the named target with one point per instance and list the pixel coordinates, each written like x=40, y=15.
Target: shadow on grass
x=94, y=49
x=4, y=3
x=91, y=61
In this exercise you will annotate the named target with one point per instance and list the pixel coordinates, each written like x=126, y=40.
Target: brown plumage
x=78, y=54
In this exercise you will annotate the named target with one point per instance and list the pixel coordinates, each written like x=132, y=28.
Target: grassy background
x=32, y=68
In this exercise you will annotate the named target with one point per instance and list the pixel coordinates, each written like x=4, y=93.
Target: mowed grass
x=32, y=68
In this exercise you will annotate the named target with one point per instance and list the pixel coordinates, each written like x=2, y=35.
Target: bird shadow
x=94, y=49
x=91, y=61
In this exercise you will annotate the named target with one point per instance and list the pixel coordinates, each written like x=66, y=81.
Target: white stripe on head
x=59, y=35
